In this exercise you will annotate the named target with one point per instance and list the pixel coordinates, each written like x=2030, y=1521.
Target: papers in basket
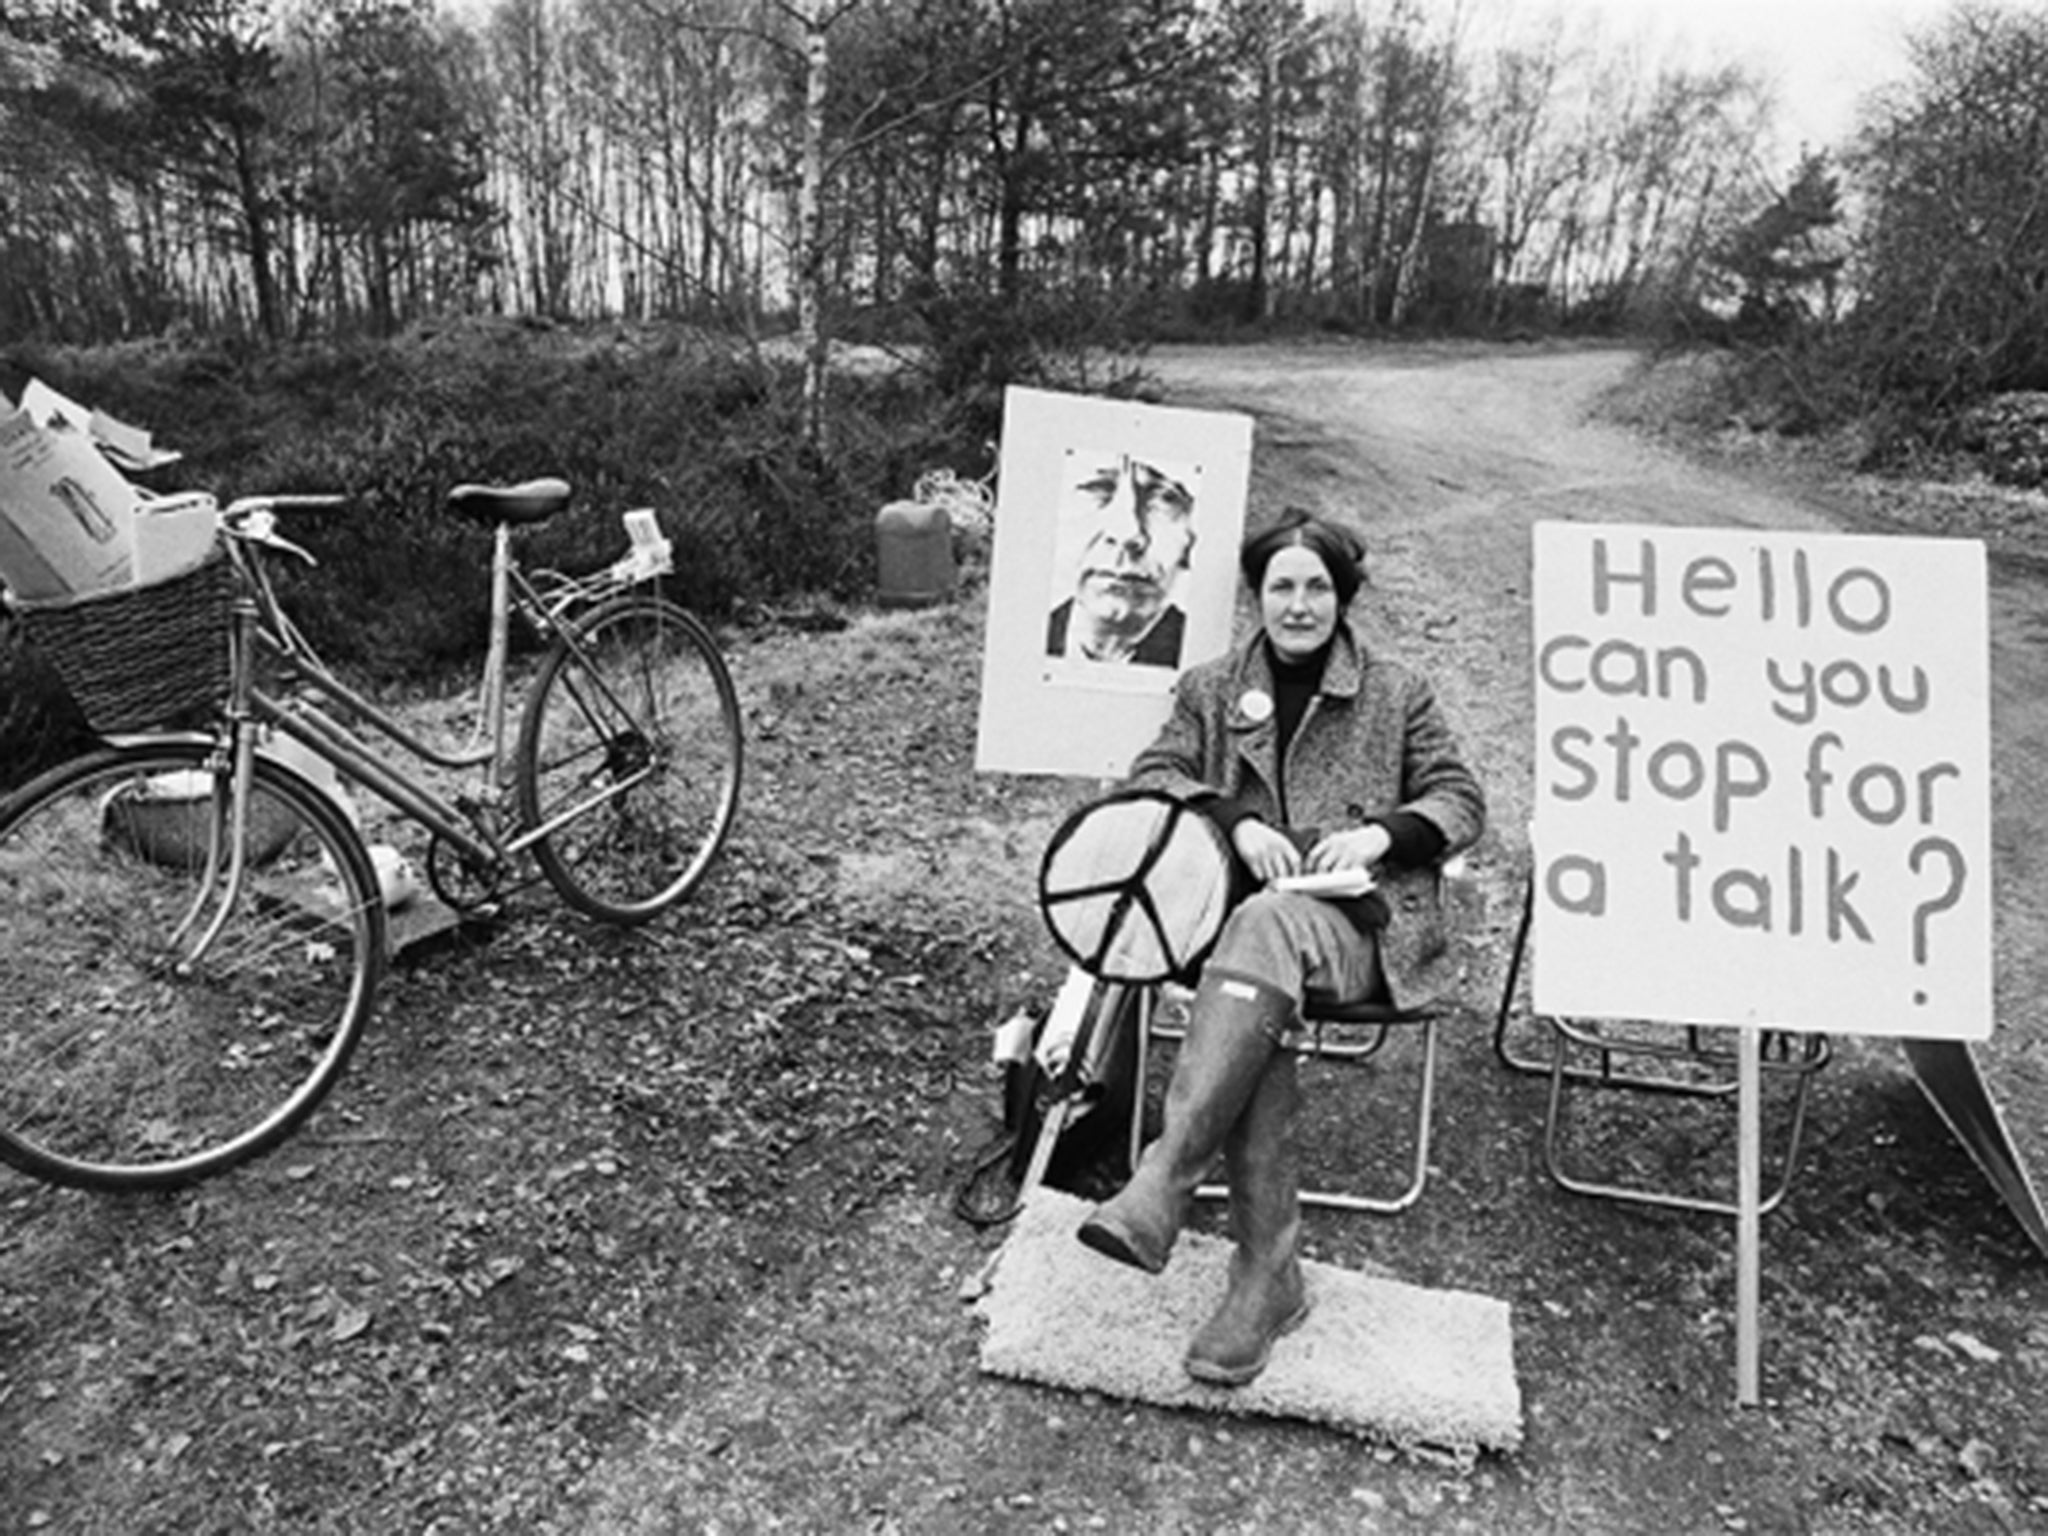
x=70, y=523
x=127, y=447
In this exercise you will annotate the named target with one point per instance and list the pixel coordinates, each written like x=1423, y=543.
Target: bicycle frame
x=262, y=629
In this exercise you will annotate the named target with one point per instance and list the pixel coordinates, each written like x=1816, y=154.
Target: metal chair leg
x=1699, y=1069
x=1379, y=1021
x=1638, y=1195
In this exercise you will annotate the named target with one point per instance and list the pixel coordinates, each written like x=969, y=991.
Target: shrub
x=39, y=724
x=979, y=342
x=702, y=433
x=1943, y=291
x=705, y=434
x=2009, y=434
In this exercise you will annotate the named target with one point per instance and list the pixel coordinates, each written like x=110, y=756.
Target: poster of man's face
x=1113, y=570
x=1126, y=540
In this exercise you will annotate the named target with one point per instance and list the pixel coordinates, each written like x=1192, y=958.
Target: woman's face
x=1298, y=602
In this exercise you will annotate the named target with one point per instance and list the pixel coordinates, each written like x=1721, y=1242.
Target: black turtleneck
x=1414, y=839
x=1295, y=682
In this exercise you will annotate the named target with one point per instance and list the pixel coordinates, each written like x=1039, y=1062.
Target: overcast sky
x=1820, y=54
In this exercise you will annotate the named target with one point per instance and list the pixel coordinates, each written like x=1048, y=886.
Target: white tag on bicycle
x=651, y=554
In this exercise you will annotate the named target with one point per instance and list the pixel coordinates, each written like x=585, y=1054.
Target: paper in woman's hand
x=1334, y=884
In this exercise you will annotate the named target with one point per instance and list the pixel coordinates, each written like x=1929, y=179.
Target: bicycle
x=195, y=927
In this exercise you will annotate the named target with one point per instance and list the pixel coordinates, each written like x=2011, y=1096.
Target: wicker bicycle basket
x=140, y=656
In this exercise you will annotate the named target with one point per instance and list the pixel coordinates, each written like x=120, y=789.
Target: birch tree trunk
x=810, y=233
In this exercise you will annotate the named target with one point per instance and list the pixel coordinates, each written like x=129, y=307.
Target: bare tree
x=1952, y=266
x=731, y=160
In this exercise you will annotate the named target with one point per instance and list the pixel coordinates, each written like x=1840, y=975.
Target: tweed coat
x=1372, y=741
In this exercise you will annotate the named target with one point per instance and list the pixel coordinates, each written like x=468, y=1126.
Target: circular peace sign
x=1135, y=887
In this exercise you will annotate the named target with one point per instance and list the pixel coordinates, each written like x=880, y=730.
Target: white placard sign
x=1114, y=569
x=1762, y=780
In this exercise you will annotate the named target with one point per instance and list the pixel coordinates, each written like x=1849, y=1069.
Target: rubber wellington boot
x=1266, y=1297
x=1232, y=1030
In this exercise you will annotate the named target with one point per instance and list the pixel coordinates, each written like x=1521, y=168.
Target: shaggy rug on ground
x=1377, y=1358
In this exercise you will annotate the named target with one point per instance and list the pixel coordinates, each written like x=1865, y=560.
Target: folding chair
x=1352, y=1033
x=1687, y=1061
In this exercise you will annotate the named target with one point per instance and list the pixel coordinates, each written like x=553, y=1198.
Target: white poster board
x=1114, y=569
x=1762, y=780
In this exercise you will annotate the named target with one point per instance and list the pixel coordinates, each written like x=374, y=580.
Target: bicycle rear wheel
x=131, y=1055
x=629, y=753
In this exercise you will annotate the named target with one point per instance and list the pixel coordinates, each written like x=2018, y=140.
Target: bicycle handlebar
x=253, y=519
x=244, y=506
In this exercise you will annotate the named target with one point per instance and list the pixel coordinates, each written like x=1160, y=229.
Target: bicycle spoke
x=141, y=1045
x=630, y=753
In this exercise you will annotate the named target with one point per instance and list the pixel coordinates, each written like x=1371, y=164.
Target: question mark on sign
x=1950, y=894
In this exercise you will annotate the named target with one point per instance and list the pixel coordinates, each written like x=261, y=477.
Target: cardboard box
x=67, y=516
x=173, y=534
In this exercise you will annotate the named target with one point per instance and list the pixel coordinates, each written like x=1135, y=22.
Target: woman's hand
x=1353, y=848
x=1266, y=853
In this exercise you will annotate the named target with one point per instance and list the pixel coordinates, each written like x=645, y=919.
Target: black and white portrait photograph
x=1113, y=569
x=1128, y=534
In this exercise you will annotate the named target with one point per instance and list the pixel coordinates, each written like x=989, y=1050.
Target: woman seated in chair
x=1312, y=754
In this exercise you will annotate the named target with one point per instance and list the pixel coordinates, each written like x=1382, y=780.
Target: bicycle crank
x=461, y=882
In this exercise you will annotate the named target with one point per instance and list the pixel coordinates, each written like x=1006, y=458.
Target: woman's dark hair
x=1339, y=549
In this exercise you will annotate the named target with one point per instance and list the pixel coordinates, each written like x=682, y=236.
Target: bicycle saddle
x=530, y=501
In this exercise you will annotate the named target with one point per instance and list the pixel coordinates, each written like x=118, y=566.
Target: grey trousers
x=1297, y=945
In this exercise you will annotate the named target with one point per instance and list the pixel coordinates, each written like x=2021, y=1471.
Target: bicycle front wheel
x=629, y=758
x=155, y=1026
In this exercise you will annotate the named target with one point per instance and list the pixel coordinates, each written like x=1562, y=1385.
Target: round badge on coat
x=1256, y=706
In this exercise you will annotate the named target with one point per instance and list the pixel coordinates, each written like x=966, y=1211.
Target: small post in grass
x=1748, y=1214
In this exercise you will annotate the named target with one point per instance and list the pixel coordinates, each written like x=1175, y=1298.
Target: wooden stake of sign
x=1748, y=1213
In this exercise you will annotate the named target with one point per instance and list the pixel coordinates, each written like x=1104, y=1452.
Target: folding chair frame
x=1376, y=1023
x=1783, y=1054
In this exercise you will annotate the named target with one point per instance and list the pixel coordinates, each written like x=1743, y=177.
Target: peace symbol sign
x=1135, y=887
